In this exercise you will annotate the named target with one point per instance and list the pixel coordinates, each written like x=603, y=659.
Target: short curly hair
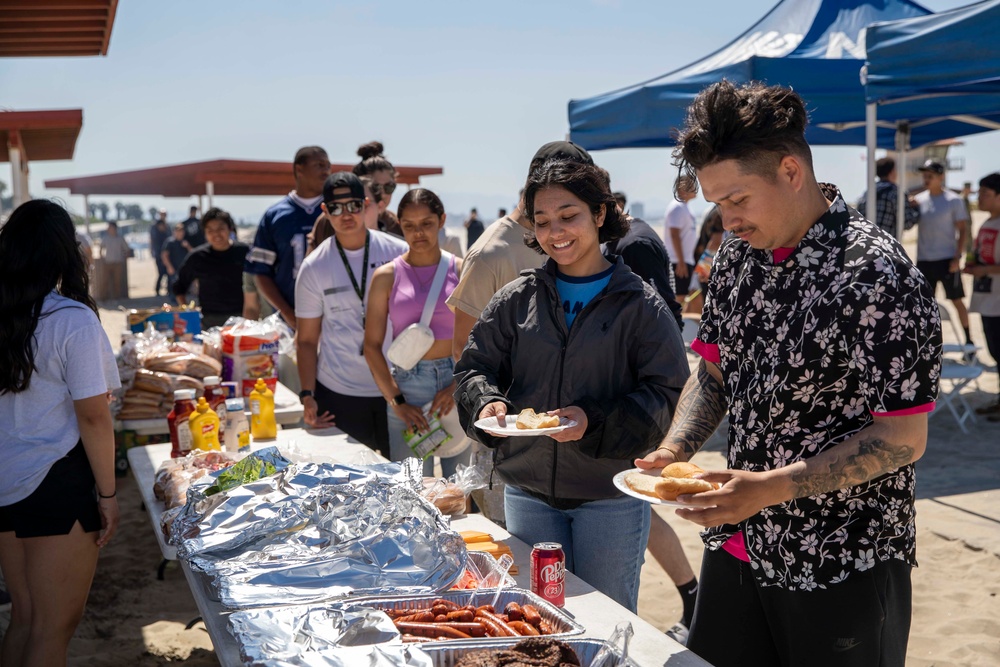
x=754, y=124
x=589, y=183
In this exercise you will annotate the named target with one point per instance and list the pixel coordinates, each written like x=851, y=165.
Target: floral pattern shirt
x=811, y=347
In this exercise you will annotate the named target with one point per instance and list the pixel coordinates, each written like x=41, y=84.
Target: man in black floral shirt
x=822, y=342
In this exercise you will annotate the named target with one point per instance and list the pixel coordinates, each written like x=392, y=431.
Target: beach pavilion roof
x=213, y=177
x=40, y=135
x=31, y=28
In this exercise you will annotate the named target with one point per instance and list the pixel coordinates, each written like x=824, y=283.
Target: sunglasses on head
x=341, y=207
x=378, y=189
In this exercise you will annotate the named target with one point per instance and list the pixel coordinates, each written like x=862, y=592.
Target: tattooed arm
x=700, y=410
x=889, y=443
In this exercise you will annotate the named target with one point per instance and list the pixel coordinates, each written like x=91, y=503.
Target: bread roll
x=681, y=469
x=678, y=479
x=644, y=484
x=529, y=419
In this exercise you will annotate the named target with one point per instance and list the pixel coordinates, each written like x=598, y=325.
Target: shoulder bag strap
x=435, y=291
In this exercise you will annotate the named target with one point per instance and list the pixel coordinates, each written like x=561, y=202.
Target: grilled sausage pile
x=445, y=619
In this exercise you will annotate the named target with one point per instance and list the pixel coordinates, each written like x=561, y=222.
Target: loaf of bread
x=529, y=419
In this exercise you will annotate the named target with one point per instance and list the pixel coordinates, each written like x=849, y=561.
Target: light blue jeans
x=604, y=540
x=419, y=385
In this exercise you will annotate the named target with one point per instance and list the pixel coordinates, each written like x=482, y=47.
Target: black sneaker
x=991, y=409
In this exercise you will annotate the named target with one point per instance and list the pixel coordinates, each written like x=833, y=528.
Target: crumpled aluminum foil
x=316, y=531
x=304, y=635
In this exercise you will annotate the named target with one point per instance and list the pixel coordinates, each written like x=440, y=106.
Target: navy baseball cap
x=343, y=179
x=932, y=165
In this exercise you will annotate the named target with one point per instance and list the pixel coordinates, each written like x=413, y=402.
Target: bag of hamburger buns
x=250, y=353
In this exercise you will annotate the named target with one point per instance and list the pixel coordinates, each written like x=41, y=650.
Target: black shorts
x=683, y=284
x=936, y=271
x=861, y=621
x=65, y=496
x=361, y=417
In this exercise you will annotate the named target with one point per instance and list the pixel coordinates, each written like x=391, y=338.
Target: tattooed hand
x=742, y=495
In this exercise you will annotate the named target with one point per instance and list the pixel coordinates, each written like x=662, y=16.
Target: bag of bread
x=451, y=495
x=249, y=353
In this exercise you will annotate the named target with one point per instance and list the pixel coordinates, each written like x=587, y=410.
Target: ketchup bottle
x=177, y=421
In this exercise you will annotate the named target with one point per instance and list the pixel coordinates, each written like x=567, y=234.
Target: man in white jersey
x=331, y=294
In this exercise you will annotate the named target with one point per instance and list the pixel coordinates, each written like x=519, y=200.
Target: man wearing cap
x=944, y=228
x=331, y=295
x=280, y=244
x=159, y=233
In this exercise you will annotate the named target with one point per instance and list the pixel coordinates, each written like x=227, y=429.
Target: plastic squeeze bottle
x=204, y=427
x=262, y=423
x=177, y=421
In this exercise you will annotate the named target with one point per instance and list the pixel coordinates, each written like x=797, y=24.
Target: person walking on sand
x=57, y=491
x=822, y=343
x=159, y=234
x=985, y=271
x=115, y=251
x=681, y=235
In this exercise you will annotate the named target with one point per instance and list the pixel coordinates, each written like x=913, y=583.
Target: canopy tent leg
x=902, y=145
x=209, y=192
x=871, y=142
x=86, y=214
x=201, y=209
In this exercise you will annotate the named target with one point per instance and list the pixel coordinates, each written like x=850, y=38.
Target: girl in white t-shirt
x=57, y=491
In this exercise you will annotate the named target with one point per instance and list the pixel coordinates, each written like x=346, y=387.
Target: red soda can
x=548, y=572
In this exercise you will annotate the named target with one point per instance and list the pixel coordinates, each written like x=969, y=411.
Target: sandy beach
x=134, y=619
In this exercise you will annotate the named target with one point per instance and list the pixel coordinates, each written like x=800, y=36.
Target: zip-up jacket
x=622, y=362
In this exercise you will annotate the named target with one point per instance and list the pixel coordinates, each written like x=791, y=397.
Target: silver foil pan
x=448, y=654
x=562, y=623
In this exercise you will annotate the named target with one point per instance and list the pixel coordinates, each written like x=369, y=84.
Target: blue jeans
x=604, y=540
x=419, y=385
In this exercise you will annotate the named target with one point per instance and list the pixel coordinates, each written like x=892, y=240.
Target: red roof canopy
x=56, y=27
x=44, y=135
x=228, y=177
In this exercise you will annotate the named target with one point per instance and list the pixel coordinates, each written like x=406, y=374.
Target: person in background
x=398, y=294
x=374, y=164
x=159, y=234
x=57, y=492
x=331, y=301
x=821, y=342
x=501, y=213
x=280, y=244
x=984, y=268
x=886, y=196
x=173, y=254
x=218, y=267
x=643, y=252
x=115, y=252
x=587, y=340
x=193, y=234
x=254, y=307
x=944, y=227
x=474, y=228
x=680, y=236
x=709, y=240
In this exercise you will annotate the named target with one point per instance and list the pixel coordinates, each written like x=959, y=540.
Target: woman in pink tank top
x=398, y=293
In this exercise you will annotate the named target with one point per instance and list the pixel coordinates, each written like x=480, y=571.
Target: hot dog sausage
x=524, y=628
x=531, y=614
x=502, y=625
x=432, y=630
x=514, y=611
x=461, y=616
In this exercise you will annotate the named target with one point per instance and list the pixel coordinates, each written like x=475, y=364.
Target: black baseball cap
x=562, y=150
x=343, y=179
x=932, y=165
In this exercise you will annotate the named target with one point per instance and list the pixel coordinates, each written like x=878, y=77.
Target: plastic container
x=215, y=394
x=236, y=425
x=178, y=423
x=262, y=422
x=204, y=427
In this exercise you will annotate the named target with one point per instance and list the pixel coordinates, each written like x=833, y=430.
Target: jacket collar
x=622, y=278
x=816, y=242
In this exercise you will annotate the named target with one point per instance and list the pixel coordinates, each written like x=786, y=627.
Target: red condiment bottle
x=177, y=421
x=216, y=395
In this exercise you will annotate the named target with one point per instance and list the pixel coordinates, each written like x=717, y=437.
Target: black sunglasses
x=350, y=206
x=378, y=189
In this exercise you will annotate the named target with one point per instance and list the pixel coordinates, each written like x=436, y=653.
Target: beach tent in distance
x=931, y=70
x=814, y=46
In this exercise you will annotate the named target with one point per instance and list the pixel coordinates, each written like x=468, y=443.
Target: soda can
x=548, y=572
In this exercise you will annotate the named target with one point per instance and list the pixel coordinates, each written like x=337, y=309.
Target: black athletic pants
x=362, y=418
x=863, y=621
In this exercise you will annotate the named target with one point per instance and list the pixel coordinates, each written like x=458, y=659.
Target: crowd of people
x=819, y=339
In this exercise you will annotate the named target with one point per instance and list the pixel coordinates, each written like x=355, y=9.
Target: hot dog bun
x=529, y=419
x=644, y=484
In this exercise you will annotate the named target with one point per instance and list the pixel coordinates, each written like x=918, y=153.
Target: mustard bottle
x=262, y=423
x=204, y=427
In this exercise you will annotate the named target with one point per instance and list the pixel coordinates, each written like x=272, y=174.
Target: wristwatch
x=305, y=393
x=398, y=399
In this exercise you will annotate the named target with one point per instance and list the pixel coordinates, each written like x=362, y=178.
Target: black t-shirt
x=219, y=276
x=176, y=252
x=193, y=233
x=643, y=251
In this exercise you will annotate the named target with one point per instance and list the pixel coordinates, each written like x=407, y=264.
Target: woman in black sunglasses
x=374, y=165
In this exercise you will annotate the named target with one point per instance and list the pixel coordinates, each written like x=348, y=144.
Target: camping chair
x=956, y=373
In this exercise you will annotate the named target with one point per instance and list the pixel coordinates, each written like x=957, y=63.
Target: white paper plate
x=489, y=424
x=619, y=481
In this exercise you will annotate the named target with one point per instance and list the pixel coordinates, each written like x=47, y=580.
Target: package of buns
x=250, y=352
x=183, y=363
x=170, y=484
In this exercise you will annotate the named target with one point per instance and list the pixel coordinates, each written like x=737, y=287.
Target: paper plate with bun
x=527, y=423
x=661, y=486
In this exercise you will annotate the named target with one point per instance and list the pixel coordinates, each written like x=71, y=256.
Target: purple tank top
x=410, y=286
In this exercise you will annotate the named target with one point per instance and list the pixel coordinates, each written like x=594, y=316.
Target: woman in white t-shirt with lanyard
x=56, y=435
x=399, y=293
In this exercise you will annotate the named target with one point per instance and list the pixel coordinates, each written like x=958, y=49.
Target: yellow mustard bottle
x=204, y=424
x=262, y=423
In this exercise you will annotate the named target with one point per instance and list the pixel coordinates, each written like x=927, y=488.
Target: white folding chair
x=957, y=371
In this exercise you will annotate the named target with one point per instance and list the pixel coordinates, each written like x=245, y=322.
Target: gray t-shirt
x=938, y=239
x=73, y=361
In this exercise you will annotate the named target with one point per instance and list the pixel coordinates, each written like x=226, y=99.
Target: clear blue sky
x=472, y=86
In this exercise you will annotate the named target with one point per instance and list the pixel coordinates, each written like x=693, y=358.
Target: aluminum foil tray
x=448, y=654
x=562, y=623
x=488, y=570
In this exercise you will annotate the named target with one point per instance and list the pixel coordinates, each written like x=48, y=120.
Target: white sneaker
x=679, y=633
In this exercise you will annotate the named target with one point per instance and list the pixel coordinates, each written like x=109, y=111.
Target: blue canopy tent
x=936, y=70
x=814, y=46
